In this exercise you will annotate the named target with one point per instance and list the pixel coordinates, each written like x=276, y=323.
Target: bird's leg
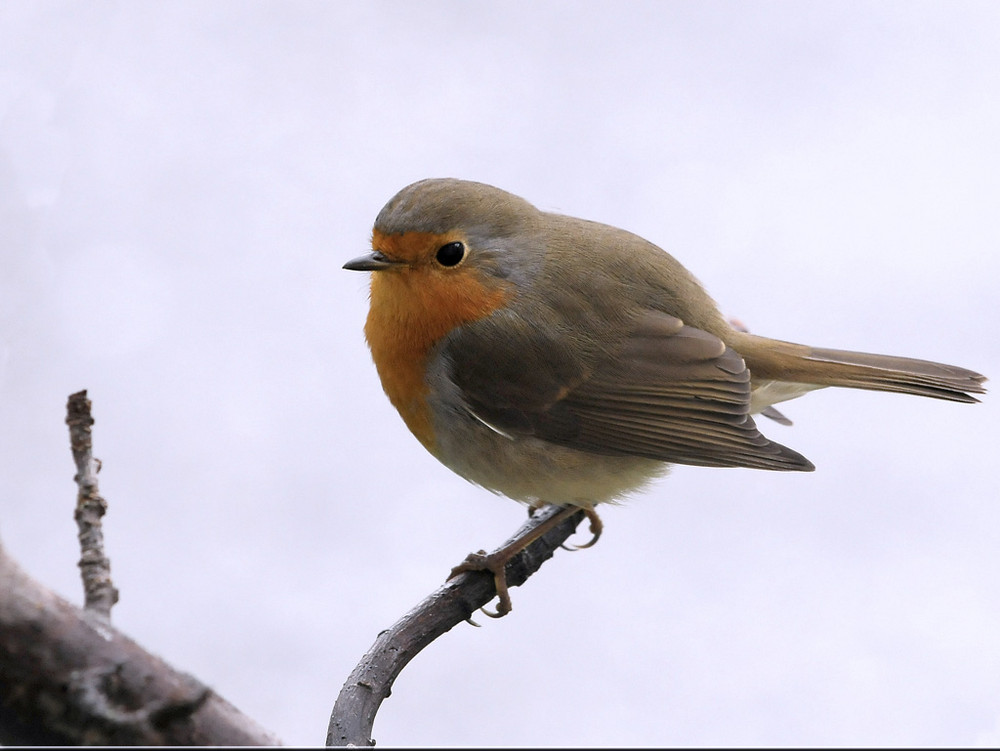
x=496, y=562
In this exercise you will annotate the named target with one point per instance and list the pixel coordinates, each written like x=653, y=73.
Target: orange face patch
x=415, y=306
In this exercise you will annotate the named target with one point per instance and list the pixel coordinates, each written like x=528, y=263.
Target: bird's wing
x=668, y=391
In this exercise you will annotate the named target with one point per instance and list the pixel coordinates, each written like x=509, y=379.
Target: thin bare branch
x=95, y=568
x=354, y=712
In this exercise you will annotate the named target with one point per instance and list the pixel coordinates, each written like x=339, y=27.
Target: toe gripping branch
x=505, y=556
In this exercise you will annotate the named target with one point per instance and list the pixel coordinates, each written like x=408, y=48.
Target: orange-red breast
x=558, y=360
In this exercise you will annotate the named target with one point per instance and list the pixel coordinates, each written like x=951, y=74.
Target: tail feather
x=770, y=359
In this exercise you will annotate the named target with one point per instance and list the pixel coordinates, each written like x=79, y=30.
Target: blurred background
x=180, y=184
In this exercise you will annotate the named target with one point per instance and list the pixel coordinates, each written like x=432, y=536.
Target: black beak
x=374, y=261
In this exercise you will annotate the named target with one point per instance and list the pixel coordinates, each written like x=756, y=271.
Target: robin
x=559, y=360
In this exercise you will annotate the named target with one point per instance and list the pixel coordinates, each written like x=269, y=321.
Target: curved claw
x=596, y=527
x=493, y=613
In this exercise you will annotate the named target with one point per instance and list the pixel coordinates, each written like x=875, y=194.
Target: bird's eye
x=450, y=254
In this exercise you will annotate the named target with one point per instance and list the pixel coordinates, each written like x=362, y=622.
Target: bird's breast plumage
x=412, y=309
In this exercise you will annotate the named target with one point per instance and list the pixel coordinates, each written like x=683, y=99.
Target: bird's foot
x=596, y=527
x=496, y=564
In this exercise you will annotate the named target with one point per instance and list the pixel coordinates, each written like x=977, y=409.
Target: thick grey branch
x=67, y=677
x=354, y=712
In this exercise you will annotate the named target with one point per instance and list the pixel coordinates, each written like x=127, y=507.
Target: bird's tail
x=777, y=361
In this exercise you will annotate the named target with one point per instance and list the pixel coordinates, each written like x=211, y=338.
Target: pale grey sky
x=179, y=186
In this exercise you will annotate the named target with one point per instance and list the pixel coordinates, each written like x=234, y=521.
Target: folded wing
x=667, y=391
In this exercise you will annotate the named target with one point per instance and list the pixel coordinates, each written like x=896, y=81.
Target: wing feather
x=667, y=391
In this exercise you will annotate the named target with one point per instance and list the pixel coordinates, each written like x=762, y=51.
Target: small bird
x=559, y=360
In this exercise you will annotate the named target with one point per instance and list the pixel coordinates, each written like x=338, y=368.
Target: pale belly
x=537, y=472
